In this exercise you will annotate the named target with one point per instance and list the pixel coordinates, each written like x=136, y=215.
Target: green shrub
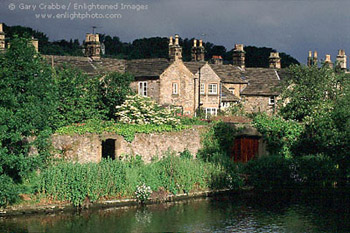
x=270, y=173
x=8, y=191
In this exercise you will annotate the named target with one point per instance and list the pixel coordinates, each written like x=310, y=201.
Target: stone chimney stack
x=315, y=60
x=35, y=43
x=175, y=50
x=239, y=56
x=92, y=46
x=217, y=60
x=328, y=61
x=194, y=51
x=309, y=59
x=275, y=61
x=200, y=51
x=2, y=38
x=341, y=60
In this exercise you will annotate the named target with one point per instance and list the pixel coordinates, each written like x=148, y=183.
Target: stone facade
x=254, y=104
x=177, y=74
x=208, y=77
x=153, y=87
x=88, y=148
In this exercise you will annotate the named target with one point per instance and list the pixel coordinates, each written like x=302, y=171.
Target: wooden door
x=245, y=148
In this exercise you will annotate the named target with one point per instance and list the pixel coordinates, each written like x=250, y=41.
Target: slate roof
x=227, y=96
x=147, y=67
x=228, y=73
x=262, y=82
x=194, y=66
x=88, y=66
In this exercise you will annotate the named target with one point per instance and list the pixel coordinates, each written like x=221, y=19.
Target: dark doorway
x=108, y=149
x=245, y=148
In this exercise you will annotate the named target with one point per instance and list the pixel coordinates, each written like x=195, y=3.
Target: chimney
x=2, y=38
x=217, y=60
x=315, y=61
x=93, y=46
x=194, y=51
x=35, y=43
x=275, y=60
x=175, y=50
x=309, y=59
x=200, y=51
x=341, y=60
x=328, y=61
x=239, y=56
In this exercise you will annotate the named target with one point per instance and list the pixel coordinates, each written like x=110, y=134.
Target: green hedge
x=273, y=173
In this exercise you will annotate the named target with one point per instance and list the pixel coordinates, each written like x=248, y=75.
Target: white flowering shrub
x=143, y=110
x=143, y=192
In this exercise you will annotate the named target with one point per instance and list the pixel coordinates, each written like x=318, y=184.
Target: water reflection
x=236, y=213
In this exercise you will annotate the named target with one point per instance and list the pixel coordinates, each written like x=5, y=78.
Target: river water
x=310, y=212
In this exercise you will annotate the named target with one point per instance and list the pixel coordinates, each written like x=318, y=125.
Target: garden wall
x=88, y=147
x=91, y=147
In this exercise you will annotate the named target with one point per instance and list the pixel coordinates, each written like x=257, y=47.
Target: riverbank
x=31, y=209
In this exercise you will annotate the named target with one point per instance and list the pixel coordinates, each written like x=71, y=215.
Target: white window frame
x=202, y=88
x=272, y=100
x=210, y=111
x=175, y=88
x=142, y=87
x=212, y=90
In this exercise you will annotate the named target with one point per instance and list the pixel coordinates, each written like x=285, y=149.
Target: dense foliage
x=113, y=90
x=314, y=107
x=78, y=182
x=276, y=173
x=280, y=135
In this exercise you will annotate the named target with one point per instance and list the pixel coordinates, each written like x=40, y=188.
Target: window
x=202, y=88
x=272, y=100
x=213, y=89
x=143, y=88
x=175, y=89
x=210, y=112
x=232, y=90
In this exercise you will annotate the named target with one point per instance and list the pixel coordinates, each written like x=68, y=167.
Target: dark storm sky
x=289, y=26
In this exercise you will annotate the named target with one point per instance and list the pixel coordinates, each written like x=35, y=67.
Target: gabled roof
x=228, y=73
x=88, y=66
x=147, y=67
x=262, y=81
x=227, y=96
x=194, y=66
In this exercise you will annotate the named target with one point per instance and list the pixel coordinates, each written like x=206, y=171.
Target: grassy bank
x=77, y=183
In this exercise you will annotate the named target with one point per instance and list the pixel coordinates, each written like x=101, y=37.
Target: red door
x=245, y=148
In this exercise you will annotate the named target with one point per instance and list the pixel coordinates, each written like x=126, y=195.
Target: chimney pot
x=176, y=39
x=1, y=28
x=200, y=43
x=310, y=53
x=328, y=58
x=194, y=43
x=171, y=40
x=315, y=54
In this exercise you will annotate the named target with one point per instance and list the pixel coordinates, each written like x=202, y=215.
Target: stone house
x=211, y=85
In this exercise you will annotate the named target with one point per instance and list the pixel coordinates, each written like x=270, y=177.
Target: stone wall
x=88, y=147
x=254, y=104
